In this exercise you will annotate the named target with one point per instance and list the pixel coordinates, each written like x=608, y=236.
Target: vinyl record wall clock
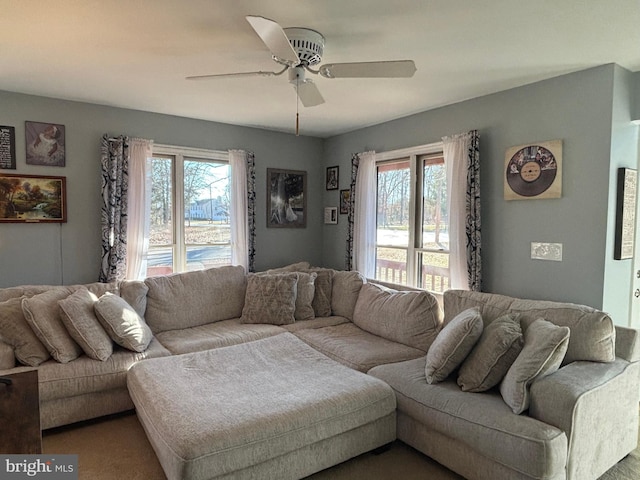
x=533, y=171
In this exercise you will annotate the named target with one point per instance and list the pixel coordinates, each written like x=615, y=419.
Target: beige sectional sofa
x=574, y=417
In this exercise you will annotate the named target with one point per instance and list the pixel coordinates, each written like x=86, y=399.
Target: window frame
x=179, y=155
x=415, y=157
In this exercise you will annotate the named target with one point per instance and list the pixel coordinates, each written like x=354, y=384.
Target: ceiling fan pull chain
x=297, y=106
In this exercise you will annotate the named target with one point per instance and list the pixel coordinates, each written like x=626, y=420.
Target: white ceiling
x=136, y=53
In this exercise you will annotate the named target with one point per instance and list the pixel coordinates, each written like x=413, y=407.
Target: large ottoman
x=272, y=408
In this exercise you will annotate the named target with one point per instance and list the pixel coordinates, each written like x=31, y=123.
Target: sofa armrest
x=7, y=357
x=596, y=405
x=628, y=343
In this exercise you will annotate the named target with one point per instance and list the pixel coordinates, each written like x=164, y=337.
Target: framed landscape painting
x=32, y=199
x=286, y=198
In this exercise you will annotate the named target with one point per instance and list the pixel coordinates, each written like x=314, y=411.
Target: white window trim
x=191, y=152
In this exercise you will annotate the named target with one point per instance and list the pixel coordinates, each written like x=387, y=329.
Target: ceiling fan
x=299, y=49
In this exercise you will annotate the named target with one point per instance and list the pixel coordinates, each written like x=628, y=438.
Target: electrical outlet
x=546, y=251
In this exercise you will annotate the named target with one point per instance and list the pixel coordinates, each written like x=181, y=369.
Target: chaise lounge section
x=273, y=408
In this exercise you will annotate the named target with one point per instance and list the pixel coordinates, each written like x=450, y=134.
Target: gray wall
x=576, y=108
x=70, y=252
x=588, y=110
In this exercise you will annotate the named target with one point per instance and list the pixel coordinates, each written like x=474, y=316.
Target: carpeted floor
x=116, y=448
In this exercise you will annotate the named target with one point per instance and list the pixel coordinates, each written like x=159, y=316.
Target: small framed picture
x=286, y=198
x=45, y=144
x=332, y=178
x=8, y=148
x=331, y=215
x=624, y=240
x=345, y=201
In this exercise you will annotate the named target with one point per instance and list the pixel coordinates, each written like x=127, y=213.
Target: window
x=412, y=241
x=189, y=212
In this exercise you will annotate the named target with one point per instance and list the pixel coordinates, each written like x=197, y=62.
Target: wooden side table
x=20, y=414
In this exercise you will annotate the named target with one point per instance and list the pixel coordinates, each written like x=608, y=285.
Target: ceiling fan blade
x=233, y=75
x=274, y=38
x=309, y=94
x=389, y=69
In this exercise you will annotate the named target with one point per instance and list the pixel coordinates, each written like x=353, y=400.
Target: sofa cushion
x=408, y=317
x=122, y=323
x=345, y=287
x=264, y=410
x=493, y=355
x=15, y=331
x=270, y=299
x=208, y=295
x=79, y=318
x=215, y=335
x=42, y=313
x=317, y=322
x=356, y=348
x=134, y=293
x=99, y=288
x=453, y=344
x=85, y=375
x=545, y=345
x=593, y=334
x=293, y=267
x=482, y=422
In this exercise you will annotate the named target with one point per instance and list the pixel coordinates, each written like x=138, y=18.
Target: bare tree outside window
x=202, y=238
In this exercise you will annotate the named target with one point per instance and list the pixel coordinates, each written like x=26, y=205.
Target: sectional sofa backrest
x=593, y=335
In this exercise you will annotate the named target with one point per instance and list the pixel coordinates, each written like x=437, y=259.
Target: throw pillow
x=346, y=286
x=15, y=331
x=592, y=332
x=43, y=316
x=545, y=345
x=122, y=323
x=453, y=344
x=304, y=296
x=134, y=293
x=78, y=316
x=322, y=297
x=408, y=317
x=294, y=267
x=491, y=358
x=270, y=299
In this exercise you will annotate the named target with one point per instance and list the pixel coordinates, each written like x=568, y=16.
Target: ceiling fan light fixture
x=307, y=43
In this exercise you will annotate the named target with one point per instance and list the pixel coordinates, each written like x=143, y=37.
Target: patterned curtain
x=348, y=259
x=474, y=240
x=462, y=162
x=114, y=159
x=251, y=209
